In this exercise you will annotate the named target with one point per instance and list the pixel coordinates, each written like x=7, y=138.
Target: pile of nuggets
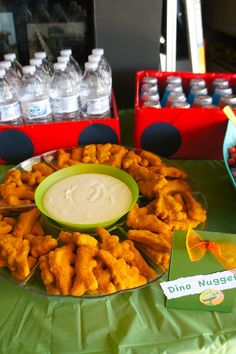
x=74, y=263
x=85, y=265
x=170, y=203
x=19, y=187
x=22, y=243
x=104, y=266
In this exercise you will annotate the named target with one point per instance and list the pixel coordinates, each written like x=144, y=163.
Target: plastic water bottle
x=68, y=53
x=95, y=100
x=34, y=98
x=70, y=69
x=103, y=64
x=10, y=112
x=106, y=77
x=11, y=76
x=46, y=63
x=40, y=71
x=64, y=95
x=14, y=63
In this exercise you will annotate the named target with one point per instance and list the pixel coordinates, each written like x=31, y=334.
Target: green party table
x=135, y=322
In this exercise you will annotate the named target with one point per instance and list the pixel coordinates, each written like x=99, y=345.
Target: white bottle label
x=10, y=112
x=65, y=104
x=36, y=109
x=98, y=105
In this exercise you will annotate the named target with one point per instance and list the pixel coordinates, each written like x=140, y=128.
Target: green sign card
x=208, y=286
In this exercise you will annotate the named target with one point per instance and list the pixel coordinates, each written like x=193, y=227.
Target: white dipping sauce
x=87, y=198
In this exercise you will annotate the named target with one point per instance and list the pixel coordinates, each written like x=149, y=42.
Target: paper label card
x=197, y=284
x=203, y=284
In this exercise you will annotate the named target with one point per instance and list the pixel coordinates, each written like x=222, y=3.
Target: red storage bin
x=18, y=143
x=194, y=133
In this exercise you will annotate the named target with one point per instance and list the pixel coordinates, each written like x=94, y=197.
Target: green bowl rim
x=133, y=187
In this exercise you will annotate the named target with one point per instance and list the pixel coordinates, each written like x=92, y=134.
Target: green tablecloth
x=132, y=323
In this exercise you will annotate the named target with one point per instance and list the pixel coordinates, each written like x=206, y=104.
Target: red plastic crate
x=195, y=133
x=18, y=143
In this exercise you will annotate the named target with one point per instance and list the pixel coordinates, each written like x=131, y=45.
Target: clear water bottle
x=11, y=76
x=40, y=71
x=64, y=95
x=96, y=59
x=10, y=112
x=34, y=98
x=68, y=53
x=104, y=65
x=14, y=63
x=70, y=68
x=46, y=63
x=95, y=101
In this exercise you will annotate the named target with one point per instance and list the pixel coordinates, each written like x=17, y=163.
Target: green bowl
x=82, y=169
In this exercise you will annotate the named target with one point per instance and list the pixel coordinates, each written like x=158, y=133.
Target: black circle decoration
x=97, y=134
x=15, y=146
x=161, y=138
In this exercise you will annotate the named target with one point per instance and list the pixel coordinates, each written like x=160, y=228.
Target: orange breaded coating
x=60, y=264
x=9, y=220
x=176, y=186
x=90, y=154
x=158, y=257
x=183, y=224
x=62, y=158
x=104, y=279
x=85, y=280
x=77, y=154
x=43, y=168
x=14, y=195
x=140, y=262
x=78, y=239
x=130, y=158
x=14, y=176
x=123, y=275
x=114, y=246
x=194, y=209
x=104, y=152
x=168, y=209
x=117, y=154
x=149, y=183
x=15, y=252
x=169, y=171
x=32, y=178
x=31, y=262
x=25, y=222
x=5, y=228
x=139, y=218
x=40, y=245
x=37, y=228
x=157, y=241
x=47, y=276
x=153, y=159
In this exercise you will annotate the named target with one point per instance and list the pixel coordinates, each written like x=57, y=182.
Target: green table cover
x=132, y=323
